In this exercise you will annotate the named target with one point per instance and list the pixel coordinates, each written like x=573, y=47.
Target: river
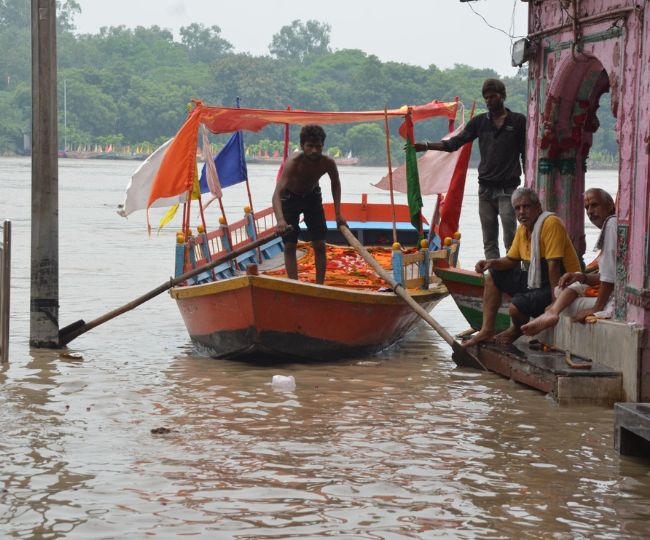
x=398, y=445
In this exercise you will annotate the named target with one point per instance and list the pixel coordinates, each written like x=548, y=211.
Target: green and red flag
x=413, y=194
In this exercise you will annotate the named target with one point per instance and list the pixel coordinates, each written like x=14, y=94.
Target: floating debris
x=161, y=431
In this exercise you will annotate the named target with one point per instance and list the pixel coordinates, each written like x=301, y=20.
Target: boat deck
x=550, y=372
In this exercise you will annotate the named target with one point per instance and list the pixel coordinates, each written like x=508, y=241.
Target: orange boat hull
x=252, y=316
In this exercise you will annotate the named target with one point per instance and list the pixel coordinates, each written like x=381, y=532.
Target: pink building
x=579, y=50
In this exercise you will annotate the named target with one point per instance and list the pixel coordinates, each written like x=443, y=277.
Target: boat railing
x=264, y=222
x=412, y=266
x=262, y=225
x=417, y=270
x=241, y=233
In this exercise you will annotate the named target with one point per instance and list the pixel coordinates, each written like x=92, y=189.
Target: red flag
x=450, y=212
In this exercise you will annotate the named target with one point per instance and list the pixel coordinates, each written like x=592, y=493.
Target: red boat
x=233, y=314
x=244, y=307
x=248, y=316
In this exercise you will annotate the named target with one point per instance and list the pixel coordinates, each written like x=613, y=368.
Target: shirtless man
x=298, y=192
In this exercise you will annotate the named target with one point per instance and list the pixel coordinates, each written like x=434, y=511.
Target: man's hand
x=569, y=278
x=420, y=147
x=340, y=220
x=283, y=227
x=482, y=266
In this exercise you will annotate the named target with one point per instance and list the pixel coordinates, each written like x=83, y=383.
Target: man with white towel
x=540, y=254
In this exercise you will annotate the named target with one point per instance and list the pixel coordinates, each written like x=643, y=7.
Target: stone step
x=632, y=429
x=552, y=373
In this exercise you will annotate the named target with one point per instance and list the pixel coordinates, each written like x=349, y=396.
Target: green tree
x=368, y=142
x=204, y=44
x=300, y=40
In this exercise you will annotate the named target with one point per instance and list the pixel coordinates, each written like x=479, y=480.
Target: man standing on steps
x=501, y=137
x=298, y=192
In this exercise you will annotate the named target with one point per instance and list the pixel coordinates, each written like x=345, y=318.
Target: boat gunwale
x=304, y=289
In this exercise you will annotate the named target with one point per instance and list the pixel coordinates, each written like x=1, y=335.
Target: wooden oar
x=74, y=330
x=461, y=355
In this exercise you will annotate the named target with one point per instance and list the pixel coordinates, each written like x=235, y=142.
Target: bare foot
x=545, y=320
x=481, y=335
x=507, y=336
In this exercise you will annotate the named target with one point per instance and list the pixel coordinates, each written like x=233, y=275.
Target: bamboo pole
x=77, y=328
x=390, y=174
x=460, y=353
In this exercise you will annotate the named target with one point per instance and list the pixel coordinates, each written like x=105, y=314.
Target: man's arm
x=554, y=273
x=503, y=263
x=281, y=224
x=335, y=181
x=454, y=143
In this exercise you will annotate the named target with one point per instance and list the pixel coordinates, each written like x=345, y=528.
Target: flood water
x=398, y=445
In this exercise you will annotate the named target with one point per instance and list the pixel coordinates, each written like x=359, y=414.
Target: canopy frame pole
x=390, y=174
x=205, y=229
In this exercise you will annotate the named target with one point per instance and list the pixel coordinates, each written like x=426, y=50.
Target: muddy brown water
x=398, y=445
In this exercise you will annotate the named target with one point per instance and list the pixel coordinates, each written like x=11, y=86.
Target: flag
x=176, y=173
x=450, y=211
x=230, y=165
x=209, y=176
x=435, y=170
x=413, y=194
x=137, y=191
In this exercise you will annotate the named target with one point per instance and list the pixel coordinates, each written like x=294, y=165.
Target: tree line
x=131, y=86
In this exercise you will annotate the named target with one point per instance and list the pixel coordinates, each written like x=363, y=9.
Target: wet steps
x=632, y=429
x=550, y=373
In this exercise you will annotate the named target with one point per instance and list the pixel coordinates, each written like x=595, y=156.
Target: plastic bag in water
x=283, y=382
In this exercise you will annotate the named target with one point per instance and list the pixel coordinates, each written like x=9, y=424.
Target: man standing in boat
x=571, y=297
x=298, y=192
x=544, y=249
x=502, y=142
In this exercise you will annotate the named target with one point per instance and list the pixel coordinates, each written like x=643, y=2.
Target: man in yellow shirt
x=540, y=253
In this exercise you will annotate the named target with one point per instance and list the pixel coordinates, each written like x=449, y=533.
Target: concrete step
x=632, y=429
x=552, y=372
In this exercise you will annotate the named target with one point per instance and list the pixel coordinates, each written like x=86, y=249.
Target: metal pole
x=65, y=115
x=44, y=294
x=5, y=281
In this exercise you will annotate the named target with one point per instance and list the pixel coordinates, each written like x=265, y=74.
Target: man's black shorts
x=531, y=302
x=311, y=206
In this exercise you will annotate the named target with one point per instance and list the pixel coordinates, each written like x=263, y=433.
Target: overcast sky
x=419, y=32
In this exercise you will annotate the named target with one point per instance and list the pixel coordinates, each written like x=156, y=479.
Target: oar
x=461, y=355
x=74, y=330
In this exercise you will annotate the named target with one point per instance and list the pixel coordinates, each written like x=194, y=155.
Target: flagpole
x=390, y=174
x=205, y=228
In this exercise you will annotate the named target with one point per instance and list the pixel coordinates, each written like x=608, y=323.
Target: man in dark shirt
x=502, y=141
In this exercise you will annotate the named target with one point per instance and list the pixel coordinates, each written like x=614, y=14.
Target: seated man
x=542, y=246
x=600, y=208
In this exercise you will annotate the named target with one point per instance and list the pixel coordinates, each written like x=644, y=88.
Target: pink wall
x=616, y=37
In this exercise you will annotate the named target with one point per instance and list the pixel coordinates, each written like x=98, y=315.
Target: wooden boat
x=244, y=307
x=371, y=223
x=233, y=314
x=466, y=288
x=240, y=317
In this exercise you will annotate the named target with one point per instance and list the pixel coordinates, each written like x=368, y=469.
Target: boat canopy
x=178, y=167
x=229, y=119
